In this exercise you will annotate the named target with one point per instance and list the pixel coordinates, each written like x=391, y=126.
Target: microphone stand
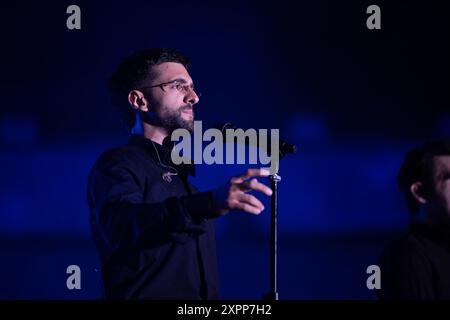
x=273, y=294
x=274, y=180
x=285, y=148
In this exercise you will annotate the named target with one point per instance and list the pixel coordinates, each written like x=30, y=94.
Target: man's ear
x=137, y=101
x=417, y=190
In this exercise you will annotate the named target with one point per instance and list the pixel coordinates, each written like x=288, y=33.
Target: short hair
x=133, y=71
x=418, y=165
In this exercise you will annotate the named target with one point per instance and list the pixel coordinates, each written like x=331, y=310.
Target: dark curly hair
x=132, y=72
x=419, y=166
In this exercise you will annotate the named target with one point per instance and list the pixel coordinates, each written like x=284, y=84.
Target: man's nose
x=191, y=97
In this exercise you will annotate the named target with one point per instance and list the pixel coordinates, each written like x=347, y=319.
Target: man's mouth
x=188, y=111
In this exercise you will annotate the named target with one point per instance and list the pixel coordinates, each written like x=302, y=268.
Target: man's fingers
x=251, y=200
x=247, y=208
x=246, y=202
x=254, y=184
x=250, y=173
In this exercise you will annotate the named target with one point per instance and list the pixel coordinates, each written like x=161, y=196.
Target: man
x=418, y=265
x=153, y=230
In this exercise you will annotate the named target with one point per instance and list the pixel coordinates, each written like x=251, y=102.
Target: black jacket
x=417, y=266
x=155, y=238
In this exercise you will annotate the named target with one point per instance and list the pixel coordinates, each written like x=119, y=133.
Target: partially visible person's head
x=424, y=178
x=156, y=85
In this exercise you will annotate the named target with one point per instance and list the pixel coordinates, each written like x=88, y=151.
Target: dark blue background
x=352, y=99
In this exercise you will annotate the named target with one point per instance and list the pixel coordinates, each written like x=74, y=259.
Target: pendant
x=166, y=177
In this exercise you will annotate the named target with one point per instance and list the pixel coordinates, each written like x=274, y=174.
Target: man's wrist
x=202, y=206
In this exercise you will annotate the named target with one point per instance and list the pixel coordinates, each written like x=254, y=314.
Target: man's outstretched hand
x=233, y=194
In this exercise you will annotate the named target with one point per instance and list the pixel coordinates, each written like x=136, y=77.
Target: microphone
x=284, y=147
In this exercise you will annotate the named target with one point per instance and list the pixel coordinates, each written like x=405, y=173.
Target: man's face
x=173, y=103
x=440, y=198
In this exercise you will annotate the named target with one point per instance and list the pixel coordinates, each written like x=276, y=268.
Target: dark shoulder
x=410, y=250
x=122, y=161
x=414, y=266
x=125, y=156
x=408, y=244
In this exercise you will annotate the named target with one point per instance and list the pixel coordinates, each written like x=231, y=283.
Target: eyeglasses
x=184, y=88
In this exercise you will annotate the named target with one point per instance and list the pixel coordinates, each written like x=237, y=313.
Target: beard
x=170, y=118
x=173, y=119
